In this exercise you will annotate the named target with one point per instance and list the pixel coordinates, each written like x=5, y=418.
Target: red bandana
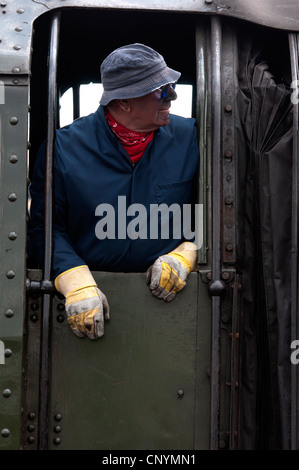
x=135, y=143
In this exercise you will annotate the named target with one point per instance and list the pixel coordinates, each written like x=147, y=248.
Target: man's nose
x=171, y=95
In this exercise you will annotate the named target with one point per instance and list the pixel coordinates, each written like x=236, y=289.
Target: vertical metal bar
x=202, y=93
x=235, y=336
x=76, y=101
x=45, y=333
x=294, y=264
x=215, y=287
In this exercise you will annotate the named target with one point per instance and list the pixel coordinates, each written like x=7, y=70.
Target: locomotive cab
x=212, y=368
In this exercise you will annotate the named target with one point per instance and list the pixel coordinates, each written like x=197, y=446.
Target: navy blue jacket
x=90, y=169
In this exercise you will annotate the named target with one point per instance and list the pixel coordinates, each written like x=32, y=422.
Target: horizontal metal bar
x=43, y=286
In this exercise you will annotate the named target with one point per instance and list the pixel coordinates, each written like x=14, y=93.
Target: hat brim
x=142, y=88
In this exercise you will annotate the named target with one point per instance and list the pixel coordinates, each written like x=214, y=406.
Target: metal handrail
x=45, y=333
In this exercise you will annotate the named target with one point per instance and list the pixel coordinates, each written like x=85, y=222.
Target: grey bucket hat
x=133, y=71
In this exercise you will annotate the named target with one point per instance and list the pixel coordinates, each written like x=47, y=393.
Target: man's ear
x=125, y=105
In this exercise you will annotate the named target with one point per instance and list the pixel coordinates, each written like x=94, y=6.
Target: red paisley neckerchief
x=135, y=143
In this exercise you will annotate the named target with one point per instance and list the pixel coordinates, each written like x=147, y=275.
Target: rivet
x=8, y=353
x=15, y=82
x=180, y=393
x=13, y=120
x=12, y=235
x=10, y=274
x=225, y=275
x=5, y=432
x=58, y=417
x=57, y=429
x=225, y=318
x=30, y=439
x=60, y=307
x=34, y=318
x=222, y=443
x=9, y=313
x=3, y=4
x=6, y=393
x=236, y=335
x=30, y=427
x=31, y=415
x=229, y=247
x=57, y=441
x=17, y=47
x=209, y=1
x=12, y=197
x=19, y=29
x=60, y=318
x=228, y=201
x=20, y=10
x=228, y=155
x=228, y=108
x=16, y=70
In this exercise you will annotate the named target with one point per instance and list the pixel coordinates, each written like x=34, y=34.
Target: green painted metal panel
x=13, y=189
x=144, y=385
x=10, y=408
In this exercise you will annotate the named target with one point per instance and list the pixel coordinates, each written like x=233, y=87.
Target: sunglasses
x=166, y=89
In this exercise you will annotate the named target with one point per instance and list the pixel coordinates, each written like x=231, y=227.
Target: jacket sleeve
x=64, y=255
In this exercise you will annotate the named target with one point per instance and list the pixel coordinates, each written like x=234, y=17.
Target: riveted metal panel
x=228, y=146
x=145, y=384
x=31, y=367
x=17, y=19
x=273, y=13
x=13, y=187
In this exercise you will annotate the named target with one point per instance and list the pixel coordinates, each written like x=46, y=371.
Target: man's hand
x=169, y=273
x=87, y=309
x=86, y=305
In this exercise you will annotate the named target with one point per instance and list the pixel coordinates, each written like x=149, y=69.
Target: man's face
x=150, y=112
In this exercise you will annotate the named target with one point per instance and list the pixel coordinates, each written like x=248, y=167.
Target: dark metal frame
x=294, y=47
x=216, y=285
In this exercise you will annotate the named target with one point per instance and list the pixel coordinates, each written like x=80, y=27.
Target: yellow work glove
x=169, y=273
x=86, y=306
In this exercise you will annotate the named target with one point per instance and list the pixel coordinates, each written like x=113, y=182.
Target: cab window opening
x=90, y=94
x=79, y=89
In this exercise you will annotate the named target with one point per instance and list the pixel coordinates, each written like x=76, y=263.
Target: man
x=131, y=154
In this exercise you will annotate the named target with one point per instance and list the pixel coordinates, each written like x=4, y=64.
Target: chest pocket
x=174, y=193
